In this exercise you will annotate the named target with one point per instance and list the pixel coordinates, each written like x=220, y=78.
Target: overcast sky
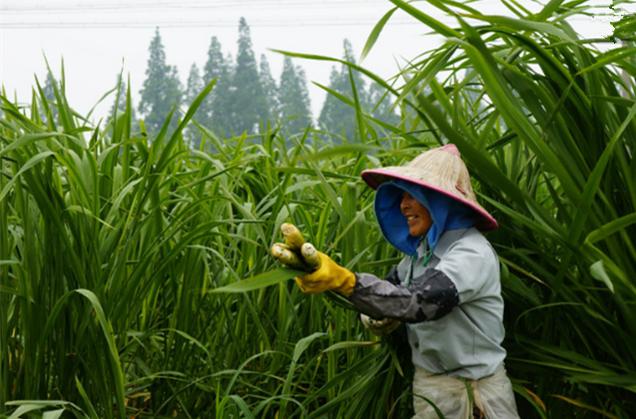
x=97, y=37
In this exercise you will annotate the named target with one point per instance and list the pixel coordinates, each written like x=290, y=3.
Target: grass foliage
x=113, y=245
x=114, y=250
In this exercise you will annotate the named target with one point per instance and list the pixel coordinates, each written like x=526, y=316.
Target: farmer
x=446, y=289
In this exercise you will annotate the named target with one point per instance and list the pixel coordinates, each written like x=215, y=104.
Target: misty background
x=98, y=40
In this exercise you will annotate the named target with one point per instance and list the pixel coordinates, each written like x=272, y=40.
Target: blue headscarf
x=446, y=214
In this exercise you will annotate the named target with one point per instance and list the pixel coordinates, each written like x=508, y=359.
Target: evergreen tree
x=120, y=103
x=49, y=87
x=49, y=95
x=247, y=103
x=350, y=57
x=193, y=88
x=270, y=90
x=337, y=117
x=161, y=90
x=194, y=85
x=120, y=100
x=381, y=105
x=214, y=109
x=226, y=101
x=295, y=107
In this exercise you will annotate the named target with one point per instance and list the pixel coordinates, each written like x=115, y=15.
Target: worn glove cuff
x=381, y=327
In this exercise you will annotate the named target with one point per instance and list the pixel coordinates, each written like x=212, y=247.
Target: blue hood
x=446, y=213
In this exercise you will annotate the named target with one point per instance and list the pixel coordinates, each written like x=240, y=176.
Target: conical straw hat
x=439, y=169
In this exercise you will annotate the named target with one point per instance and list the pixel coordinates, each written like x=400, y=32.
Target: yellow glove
x=323, y=273
x=328, y=275
x=288, y=253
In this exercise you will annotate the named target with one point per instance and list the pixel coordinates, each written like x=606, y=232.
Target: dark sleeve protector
x=429, y=296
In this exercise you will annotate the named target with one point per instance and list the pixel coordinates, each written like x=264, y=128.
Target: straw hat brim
x=375, y=177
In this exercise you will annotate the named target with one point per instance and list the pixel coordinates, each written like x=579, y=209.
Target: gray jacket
x=452, y=306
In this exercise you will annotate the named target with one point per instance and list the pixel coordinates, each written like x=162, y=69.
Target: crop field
x=115, y=244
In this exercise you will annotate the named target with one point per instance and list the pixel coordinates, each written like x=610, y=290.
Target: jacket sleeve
x=472, y=267
x=429, y=297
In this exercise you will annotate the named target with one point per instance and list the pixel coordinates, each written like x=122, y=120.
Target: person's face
x=417, y=216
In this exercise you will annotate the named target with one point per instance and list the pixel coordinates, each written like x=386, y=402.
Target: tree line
x=246, y=97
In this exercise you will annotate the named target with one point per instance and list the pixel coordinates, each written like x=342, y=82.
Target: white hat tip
x=451, y=148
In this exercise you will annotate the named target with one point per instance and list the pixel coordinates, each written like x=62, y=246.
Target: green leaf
x=167, y=152
x=549, y=9
x=351, y=344
x=257, y=282
x=429, y=21
x=303, y=344
x=593, y=184
x=597, y=270
x=28, y=165
x=92, y=413
x=240, y=403
x=27, y=139
x=586, y=406
x=85, y=211
x=525, y=25
x=52, y=414
x=299, y=348
x=610, y=228
x=25, y=408
x=109, y=336
x=377, y=29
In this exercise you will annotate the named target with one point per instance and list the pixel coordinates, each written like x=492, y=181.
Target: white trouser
x=492, y=394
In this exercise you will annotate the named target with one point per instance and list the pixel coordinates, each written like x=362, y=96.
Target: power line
x=185, y=23
x=191, y=25
x=185, y=5
x=293, y=21
x=159, y=6
x=199, y=24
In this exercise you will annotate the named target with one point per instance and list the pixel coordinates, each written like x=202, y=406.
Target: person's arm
x=457, y=278
x=383, y=326
x=461, y=273
x=429, y=297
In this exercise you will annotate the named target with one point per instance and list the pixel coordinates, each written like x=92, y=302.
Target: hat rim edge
x=488, y=221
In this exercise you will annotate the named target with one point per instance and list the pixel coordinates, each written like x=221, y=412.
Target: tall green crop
x=547, y=125
x=113, y=245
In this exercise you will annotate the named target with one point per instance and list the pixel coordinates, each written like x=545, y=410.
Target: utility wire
x=53, y=22
x=293, y=21
x=185, y=5
x=198, y=23
x=191, y=24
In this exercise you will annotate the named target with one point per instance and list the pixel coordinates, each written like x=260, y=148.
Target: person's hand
x=323, y=274
x=327, y=276
x=381, y=327
x=289, y=253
